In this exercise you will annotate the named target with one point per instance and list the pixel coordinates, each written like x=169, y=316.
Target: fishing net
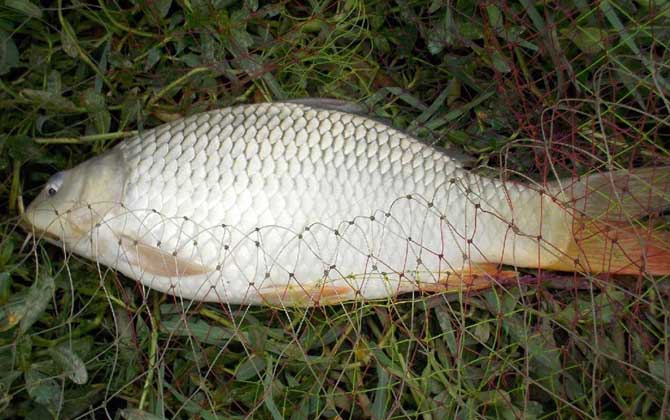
x=552, y=95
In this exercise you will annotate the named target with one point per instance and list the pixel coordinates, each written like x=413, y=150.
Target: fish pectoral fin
x=476, y=277
x=158, y=262
x=317, y=294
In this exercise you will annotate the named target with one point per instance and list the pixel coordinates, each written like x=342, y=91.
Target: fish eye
x=54, y=184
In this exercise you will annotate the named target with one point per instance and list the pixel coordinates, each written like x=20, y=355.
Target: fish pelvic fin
x=306, y=295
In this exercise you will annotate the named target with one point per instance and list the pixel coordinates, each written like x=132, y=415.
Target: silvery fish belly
x=292, y=204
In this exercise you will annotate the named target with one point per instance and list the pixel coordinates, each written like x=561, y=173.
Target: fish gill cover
x=525, y=91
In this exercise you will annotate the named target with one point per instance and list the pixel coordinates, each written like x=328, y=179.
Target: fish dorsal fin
x=158, y=262
x=331, y=104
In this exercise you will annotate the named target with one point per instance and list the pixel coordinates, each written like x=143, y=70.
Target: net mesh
x=540, y=94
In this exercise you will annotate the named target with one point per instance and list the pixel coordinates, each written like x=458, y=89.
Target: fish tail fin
x=606, y=237
x=619, y=195
x=611, y=247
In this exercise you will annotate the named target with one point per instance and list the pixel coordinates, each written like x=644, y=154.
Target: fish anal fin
x=158, y=262
x=475, y=277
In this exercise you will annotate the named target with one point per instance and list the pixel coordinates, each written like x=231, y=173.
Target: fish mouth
x=37, y=232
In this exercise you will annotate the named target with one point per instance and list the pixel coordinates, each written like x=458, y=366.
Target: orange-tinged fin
x=616, y=248
x=156, y=261
x=308, y=295
x=474, y=278
x=604, y=236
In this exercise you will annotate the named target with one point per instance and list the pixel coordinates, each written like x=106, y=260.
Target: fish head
x=74, y=202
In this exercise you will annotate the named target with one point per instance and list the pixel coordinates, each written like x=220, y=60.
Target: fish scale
x=350, y=186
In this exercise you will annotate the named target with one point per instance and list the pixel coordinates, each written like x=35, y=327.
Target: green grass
x=536, y=88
